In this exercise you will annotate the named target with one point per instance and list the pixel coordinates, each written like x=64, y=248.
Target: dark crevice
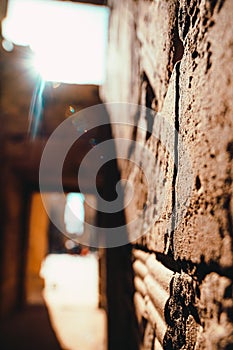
x=134, y=134
x=209, y=63
x=214, y=3
x=150, y=98
x=168, y=262
x=190, y=82
x=220, y=5
x=177, y=45
x=194, y=54
x=198, y=183
x=230, y=150
x=196, y=270
x=228, y=292
x=186, y=26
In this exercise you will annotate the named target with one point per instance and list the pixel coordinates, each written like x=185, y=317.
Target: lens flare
x=69, y=39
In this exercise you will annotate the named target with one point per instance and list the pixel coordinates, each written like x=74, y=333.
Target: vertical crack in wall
x=170, y=243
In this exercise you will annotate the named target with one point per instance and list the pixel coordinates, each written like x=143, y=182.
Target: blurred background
x=52, y=63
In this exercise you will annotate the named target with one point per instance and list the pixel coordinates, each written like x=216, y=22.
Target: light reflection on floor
x=71, y=295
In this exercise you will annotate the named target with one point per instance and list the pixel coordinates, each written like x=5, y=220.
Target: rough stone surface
x=179, y=64
x=205, y=122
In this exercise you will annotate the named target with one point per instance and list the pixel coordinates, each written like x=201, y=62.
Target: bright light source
x=74, y=214
x=69, y=39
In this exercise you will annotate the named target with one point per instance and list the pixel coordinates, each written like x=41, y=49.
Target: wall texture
x=175, y=57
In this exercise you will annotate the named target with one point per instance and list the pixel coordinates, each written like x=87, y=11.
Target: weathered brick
x=183, y=263
x=205, y=121
x=159, y=43
x=215, y=309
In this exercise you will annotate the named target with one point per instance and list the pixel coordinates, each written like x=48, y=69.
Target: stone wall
x=175, y=57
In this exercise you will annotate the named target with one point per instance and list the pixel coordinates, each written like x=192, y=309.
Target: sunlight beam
x=69, y=39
